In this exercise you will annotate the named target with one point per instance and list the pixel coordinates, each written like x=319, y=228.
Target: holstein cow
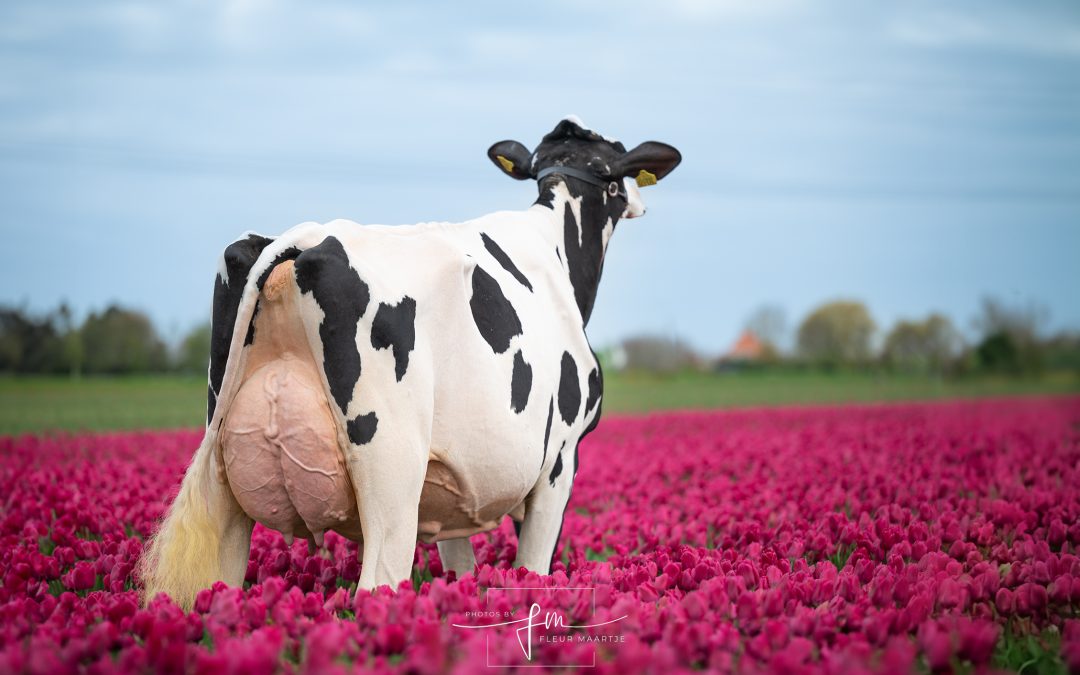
x=396, y=383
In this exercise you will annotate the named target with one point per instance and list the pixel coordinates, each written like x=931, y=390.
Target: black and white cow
x=396, y=383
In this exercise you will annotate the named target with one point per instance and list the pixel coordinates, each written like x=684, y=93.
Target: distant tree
x=1062, y=351
x=119, y=341
x=658, y=354
x=999, y=353
x=1021, y=321
x=930, y=345
x=71, y=337
x=193, y=355
x=12, y=335
x=30, y=344
x=768, y=323
x=1010, y=337
x=837, y=333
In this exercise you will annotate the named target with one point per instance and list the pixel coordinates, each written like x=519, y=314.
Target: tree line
x=843, y=335
x=840, y=334
x=116, y=341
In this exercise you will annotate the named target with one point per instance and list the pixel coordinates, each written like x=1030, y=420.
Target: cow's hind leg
x=204, y=538
x=388, y=477
x=458, y=555
x=387, y=473
x=539, y=533
x=235, y=548
x=387, y=427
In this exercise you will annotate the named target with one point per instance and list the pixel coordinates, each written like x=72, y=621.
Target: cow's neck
x=583, y=221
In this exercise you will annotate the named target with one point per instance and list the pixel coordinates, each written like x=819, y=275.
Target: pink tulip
x=1005, y=601
x=936, y=644
x=977, y=640
x=723, y=534
x=81, y=577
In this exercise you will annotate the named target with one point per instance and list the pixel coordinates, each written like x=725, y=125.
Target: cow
x=407, y=382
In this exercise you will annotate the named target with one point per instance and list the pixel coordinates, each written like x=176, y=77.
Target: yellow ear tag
x=507, y=165
x=645, y=179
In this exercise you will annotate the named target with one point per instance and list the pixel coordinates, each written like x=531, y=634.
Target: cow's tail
x=185, y=555
x=182, y=558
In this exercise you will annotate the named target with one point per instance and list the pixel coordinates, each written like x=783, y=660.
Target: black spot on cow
x=520, y=383
x=249, y=339
x=558, y=254
x=239, y=257
x=547, y=429
x=211, y=403
x=492, y=312
x=546, y=198
x=500, y=256
x=394, y=327
x=324, y=271
x=556, y=470
x=362, y=428
x=558, y=538
x=569, y=390
x=584, y=260
x=595, y=388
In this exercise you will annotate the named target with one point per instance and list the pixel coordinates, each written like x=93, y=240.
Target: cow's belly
x=449, y=510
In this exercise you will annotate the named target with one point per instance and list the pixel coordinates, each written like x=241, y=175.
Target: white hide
x=577, y=120
x=635, y=207
x=453, y=403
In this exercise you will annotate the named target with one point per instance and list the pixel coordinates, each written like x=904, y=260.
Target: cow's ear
x=513, y=158
x=647, y=163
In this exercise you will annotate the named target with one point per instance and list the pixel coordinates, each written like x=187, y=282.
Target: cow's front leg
x=388, y=475
x=544, y=509
x=458, y=555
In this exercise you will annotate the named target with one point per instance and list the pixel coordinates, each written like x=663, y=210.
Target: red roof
x=747, y=348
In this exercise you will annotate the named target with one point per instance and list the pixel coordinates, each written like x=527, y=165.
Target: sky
x=916, y=156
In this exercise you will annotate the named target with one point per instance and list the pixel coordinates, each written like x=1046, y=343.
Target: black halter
x=614, y=188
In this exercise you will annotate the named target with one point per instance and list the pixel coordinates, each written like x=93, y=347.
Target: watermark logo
x=541, y=621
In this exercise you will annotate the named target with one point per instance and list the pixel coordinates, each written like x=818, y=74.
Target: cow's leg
x=204, y=538
x=235, y=547
x=385, y=426
x=388, y=476
x=539, y=534
x=458, y=555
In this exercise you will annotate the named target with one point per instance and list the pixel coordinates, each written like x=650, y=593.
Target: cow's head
x=588, y=161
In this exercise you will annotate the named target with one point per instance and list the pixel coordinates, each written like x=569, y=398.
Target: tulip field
x=893, y=538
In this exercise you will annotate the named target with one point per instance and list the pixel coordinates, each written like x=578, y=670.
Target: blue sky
x=916, y=156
